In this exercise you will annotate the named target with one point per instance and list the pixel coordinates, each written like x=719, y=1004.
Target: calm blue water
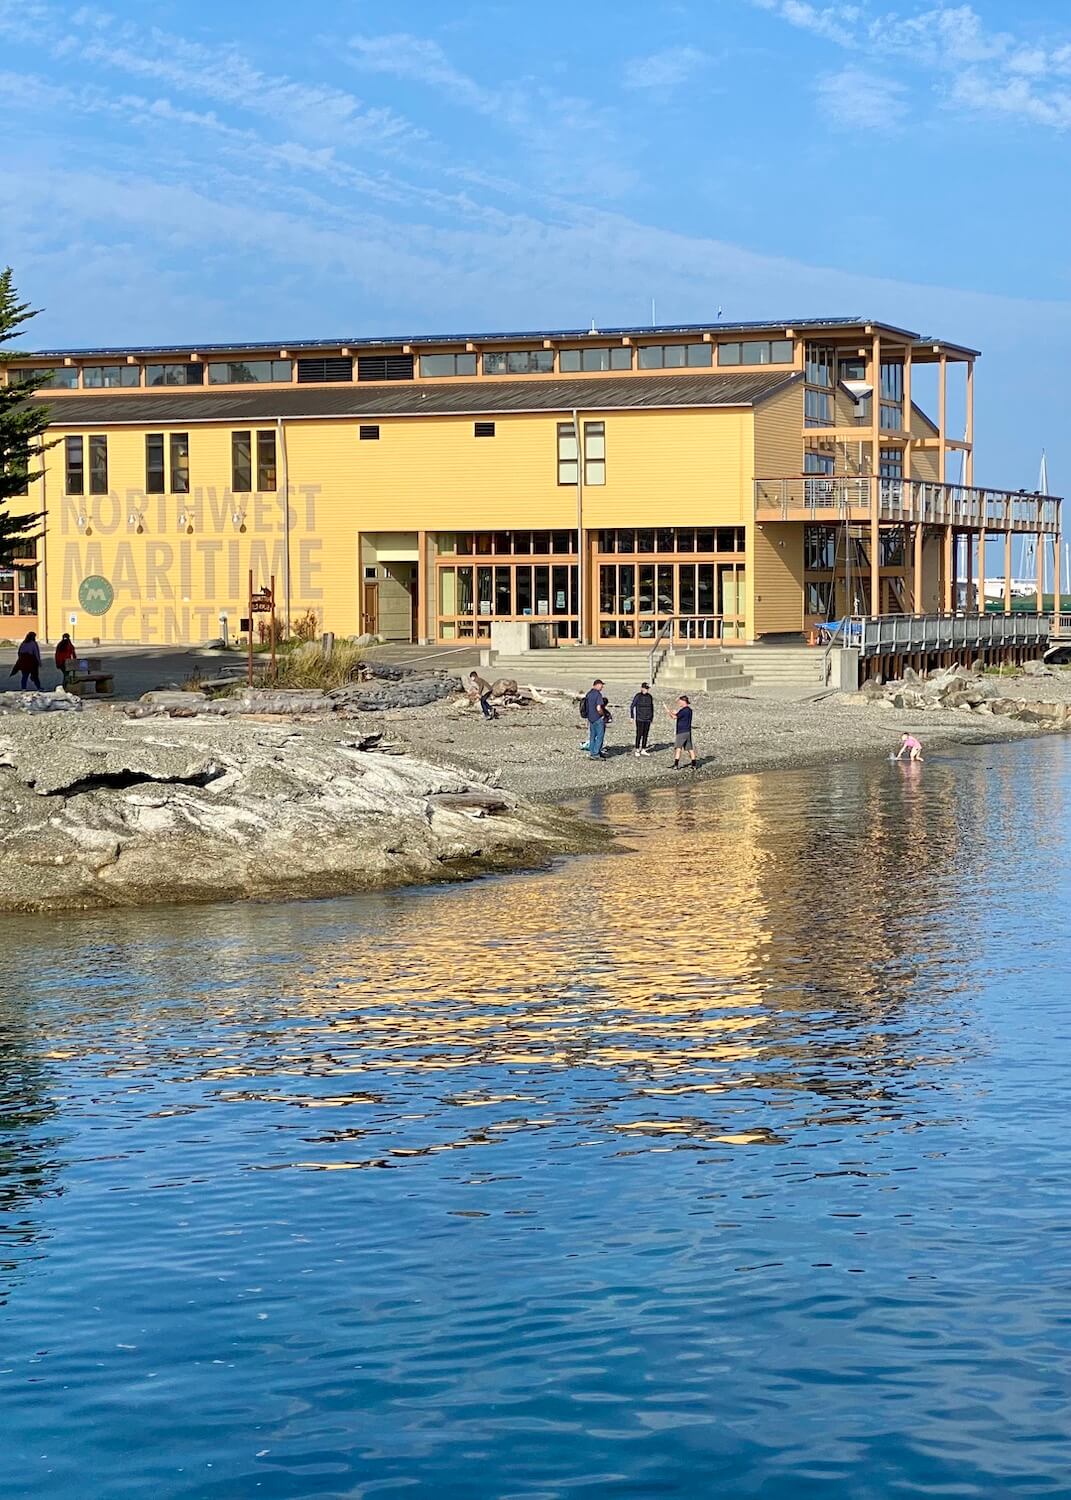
x=736, y=1164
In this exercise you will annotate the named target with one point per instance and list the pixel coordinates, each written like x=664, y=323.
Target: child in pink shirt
x=911, y=745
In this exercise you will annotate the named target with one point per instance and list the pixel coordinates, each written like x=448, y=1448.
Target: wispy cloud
x=861, y=100
x=665, y=70
x=971, y=66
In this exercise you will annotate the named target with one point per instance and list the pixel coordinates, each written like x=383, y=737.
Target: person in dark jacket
x=597, y=714
x=66, y=655
x=641, y=710
x=682, y=739
x=28, y=661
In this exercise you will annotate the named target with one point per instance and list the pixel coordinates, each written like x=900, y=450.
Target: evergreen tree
x=22, y=425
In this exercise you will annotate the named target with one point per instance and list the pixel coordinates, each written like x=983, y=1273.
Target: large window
x=892, y=380
x=817, y=408
x=819, y=549
x=74, y=453
x=180, y=463
x=266, y=470
x=892, y=463
x=241, y=462
x=675, y=356
x=687, y=578
x=892, y=417
x=110, y=377
x=191, y=374
x=613, y=357
x=594, y=453
x=250, y=371
x=484, y=576
x=816, y=462
x=640, y=540
x=519, y=362
x=98, y=465
x=18, y=591
x=63, y=379
x=756, y=352
x=433, y=365
x=819, y=365
x=155, y=479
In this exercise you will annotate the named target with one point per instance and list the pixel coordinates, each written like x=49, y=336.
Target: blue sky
x=184, y=171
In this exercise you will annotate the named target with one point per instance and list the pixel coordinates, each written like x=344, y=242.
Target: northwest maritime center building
x=704, y=483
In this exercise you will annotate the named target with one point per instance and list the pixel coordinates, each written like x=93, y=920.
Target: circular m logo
x=95, y=595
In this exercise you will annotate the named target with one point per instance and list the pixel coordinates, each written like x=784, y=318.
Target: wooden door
x=370, y=612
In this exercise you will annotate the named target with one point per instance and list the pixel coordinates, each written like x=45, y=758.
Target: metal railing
x=683, y=628
x=894, y=635
x=1061, y=625
x=850, y=497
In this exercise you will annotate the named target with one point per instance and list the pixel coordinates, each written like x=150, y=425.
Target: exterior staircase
x=707, y=670
x=782, y=667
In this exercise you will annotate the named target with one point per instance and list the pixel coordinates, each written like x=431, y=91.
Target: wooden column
x=948, y=570
x=969, y=434
x=980, y=601
x=1040, y=547
x=907, y=413
x=942, y=420
x=875, y=472
x=1007, y=572
x=919, y=605
x=968, y=572
x=423, y=634
x=1056, y=583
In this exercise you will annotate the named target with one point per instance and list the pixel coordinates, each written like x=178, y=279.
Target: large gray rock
x=101, y=810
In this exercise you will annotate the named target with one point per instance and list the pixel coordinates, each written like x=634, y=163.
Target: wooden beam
x=948, y=547
x=970, y=422
x=423, y=634
x=919, y=607
x=980, y=600
x=942, y=417
x=875, y=471
x=1056, y=581
x=1007, y=573
x=908, y=413
x=1040, y=547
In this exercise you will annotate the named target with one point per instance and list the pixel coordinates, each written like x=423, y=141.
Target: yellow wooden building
x=711, y=482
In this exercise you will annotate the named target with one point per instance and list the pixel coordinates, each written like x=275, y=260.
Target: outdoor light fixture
x=136, y=521
x=238, y=519
x=83, y=523
x=185, y=522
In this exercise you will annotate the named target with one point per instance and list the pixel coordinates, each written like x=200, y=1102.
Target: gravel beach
x=535, y=750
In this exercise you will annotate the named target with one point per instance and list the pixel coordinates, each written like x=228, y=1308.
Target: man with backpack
x=641, y=710
x=593, y=709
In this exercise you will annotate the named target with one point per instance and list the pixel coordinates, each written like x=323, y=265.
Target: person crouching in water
x=641, y=710
x=480, y=689
x=28, y=661
x=682, y=715
x=909, y=746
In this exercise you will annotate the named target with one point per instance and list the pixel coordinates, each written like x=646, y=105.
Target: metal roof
x=431, y=340
x=173, y=406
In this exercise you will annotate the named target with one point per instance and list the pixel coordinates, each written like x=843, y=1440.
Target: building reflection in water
x=764, y=956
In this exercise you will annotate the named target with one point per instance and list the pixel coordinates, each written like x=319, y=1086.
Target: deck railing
x=892, y=635
x=850, y=497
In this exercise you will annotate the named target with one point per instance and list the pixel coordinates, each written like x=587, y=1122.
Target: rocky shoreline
x=100, y=810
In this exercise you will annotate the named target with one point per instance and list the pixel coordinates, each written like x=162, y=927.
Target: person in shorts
x=682, y=739
x=909, y=746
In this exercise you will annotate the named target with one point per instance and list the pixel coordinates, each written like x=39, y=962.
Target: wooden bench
x=78, y=682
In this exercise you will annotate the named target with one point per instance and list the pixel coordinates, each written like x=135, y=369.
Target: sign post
x=260, y=603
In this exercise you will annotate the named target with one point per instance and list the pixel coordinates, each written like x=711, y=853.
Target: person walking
x=28, y=661
x=682, y=740
x=66, y=656
x=594, y=709
x=480, y=689
x=641, y=711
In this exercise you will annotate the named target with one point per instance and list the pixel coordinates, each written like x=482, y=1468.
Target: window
x=483, y=429
x=519, y=362
x=192, y=374
x=154, y=463
x=853, y=369
x=63, y=379
x=266, y=471
x=368, y=434
x=815, y=462
x=675, y=356
x=180, y=463
x=819, y=363
x=109, y=377
x=615, y=357
x=892, y=416
x=892, y=463
x=819, y=550
x=891, y=549
x=892, y=380
x=384, y=367
x=756, y=352
x=250, y=371
x=447, y=364
x=817, y=408
x=324, y=371
x=98, y=465
x=241, y=462
x=75, y=466
x=819, y=600
x=568, y=460
x=594, y=452
x=18, y=591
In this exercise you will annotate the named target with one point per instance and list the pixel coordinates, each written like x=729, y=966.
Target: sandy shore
x=535, y=751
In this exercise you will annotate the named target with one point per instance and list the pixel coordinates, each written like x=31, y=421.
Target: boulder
x=503, y=685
